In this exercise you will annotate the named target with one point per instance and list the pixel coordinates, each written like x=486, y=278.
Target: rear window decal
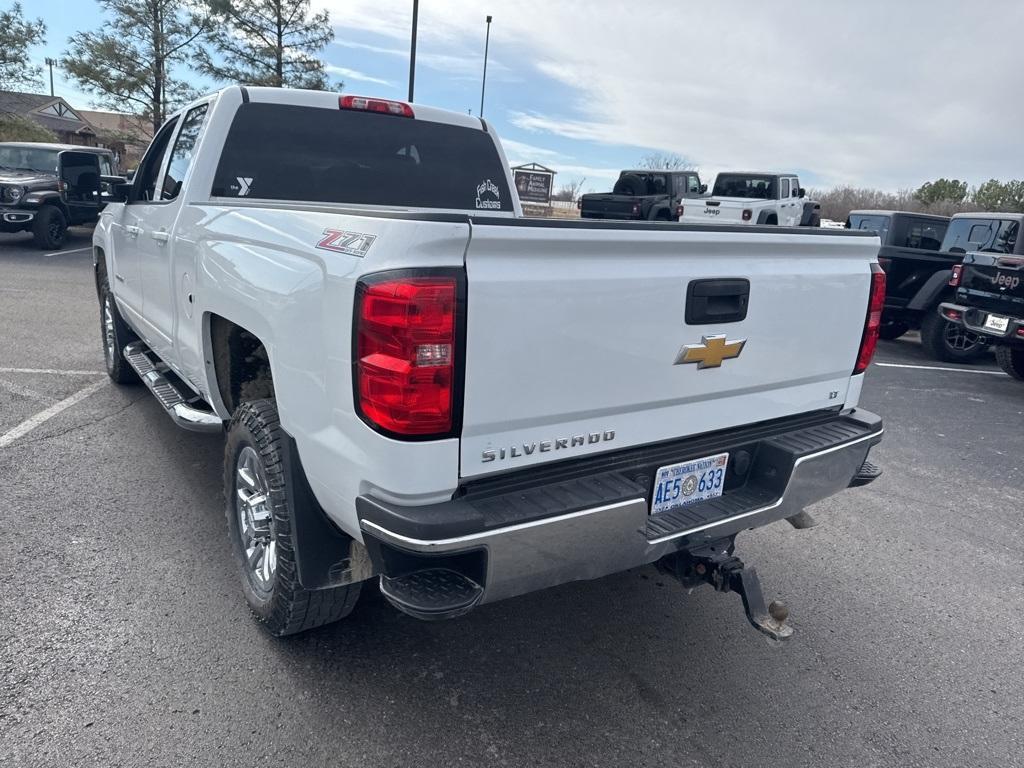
x=488, y=196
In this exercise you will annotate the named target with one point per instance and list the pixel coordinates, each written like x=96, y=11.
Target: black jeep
x=45, y=188
x=646, y=195
x=989, y=301
x=918, y=254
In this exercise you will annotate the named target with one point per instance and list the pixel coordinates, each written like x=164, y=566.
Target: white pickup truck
x=417, y=384
x=754, y=198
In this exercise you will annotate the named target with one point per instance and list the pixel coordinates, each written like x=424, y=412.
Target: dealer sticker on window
x=680, y=485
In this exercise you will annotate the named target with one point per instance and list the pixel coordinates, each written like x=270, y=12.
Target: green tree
x=266, y=42
x=995, y=195
x=940, y=190
x=128, y=63
x=17, y=36
x=17, y=128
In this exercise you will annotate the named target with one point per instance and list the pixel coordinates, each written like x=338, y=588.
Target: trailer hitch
x=715, y=564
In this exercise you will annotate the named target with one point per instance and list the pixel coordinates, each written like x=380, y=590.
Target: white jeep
x=754, y=198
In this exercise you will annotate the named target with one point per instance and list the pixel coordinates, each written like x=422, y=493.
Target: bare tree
x=570, y=191
x=666, y=161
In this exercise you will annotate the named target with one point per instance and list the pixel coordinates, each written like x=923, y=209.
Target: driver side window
x=149, y=169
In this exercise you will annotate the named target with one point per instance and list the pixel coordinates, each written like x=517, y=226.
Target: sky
x=876, y=94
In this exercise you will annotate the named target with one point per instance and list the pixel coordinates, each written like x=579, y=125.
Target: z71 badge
x=340, y=241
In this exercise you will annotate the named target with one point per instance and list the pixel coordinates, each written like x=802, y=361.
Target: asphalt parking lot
x=124, y=639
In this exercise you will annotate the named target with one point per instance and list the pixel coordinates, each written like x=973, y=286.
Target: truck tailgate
x=573, y=333
x=717, y=210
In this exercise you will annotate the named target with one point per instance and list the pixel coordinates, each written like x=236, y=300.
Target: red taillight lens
x=873, y=321
x=679, y=211
x=951, y=314
x=385, y=107
x=954, y=279
x=747, y=213
x=405, y=354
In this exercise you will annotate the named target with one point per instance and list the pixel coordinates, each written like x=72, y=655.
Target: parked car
x=919, y=271
x=754, y=198
x=989, y=301
x=643, y=194
x=45, y=188
x=418, y=384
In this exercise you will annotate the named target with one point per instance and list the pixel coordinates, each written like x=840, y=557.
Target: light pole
x=50, y=62
x=483, y=84
x=412, y=51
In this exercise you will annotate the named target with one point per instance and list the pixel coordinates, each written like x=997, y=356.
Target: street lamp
x=50, y=63
x=483, y=84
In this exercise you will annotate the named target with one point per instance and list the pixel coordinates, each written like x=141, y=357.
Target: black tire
x=631, y=185
x=772, y=221
x=1011, y=360
x=50, y=228
x=281, y=605
x=115, y=335
x=949, y=342
x=893, y=330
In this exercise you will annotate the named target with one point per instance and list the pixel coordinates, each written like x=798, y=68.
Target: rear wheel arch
x=239, y=363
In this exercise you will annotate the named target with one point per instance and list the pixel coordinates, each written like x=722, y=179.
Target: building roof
x=127, y=126
x=35, y=105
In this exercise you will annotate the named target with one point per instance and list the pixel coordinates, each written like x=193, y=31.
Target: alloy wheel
x=255, y=519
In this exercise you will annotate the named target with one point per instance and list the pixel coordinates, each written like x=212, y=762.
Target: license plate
x=997, y=323
x=686, y=483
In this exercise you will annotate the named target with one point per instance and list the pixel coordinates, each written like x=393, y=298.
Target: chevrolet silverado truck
x=645, y=195
x=989, y=301
x=754, y=198
x=417, y=384
x=45, y=188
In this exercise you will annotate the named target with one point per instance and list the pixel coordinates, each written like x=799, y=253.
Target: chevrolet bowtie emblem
x=711, y=351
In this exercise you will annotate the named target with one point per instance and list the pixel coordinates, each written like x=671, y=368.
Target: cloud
x=886, y=94
x=355, y=74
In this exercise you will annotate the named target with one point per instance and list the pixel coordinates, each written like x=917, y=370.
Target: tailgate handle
x=717, y=300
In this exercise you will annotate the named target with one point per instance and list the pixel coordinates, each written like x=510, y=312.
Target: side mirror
x=120, y=189
x=703, y=188
x=801, y=191
x=130, y=174
x=79, y=174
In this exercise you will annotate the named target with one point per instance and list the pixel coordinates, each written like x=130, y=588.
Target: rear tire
x=1011, y=360
x=260, y=526
x=115, y=335
x=949, y=342
x=49, y=228
x=893, y=330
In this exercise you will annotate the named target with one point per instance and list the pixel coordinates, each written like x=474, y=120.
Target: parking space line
x=52, y=371
x=42, y=417
x=72, y=250
x=939, y=368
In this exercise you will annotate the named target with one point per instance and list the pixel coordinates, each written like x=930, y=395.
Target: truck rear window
x=286, y=152
x=736, y=185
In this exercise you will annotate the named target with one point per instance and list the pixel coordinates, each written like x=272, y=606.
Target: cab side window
x=149, y=169
x=785, y=189
x=796, y=188
x=181, y=155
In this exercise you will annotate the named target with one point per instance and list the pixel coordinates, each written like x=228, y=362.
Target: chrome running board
x=182, y=413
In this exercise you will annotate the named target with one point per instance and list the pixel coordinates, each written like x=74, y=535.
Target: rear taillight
x=958, y=271
x=747, y=213
x=679, y=211
x=873, y=321
x=636, y=209
x=405, y=353
x=383, y=106
x=951, y=314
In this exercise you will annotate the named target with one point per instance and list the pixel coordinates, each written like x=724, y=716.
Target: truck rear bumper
x=973, y=319
x=535, y=529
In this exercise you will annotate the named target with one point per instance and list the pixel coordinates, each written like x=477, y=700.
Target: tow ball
x=715, y=564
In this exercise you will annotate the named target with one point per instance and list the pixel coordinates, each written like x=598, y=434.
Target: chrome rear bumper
x=789, y=471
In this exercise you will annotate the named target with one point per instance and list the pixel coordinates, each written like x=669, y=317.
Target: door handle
x=161, y=236
x=133, y=230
